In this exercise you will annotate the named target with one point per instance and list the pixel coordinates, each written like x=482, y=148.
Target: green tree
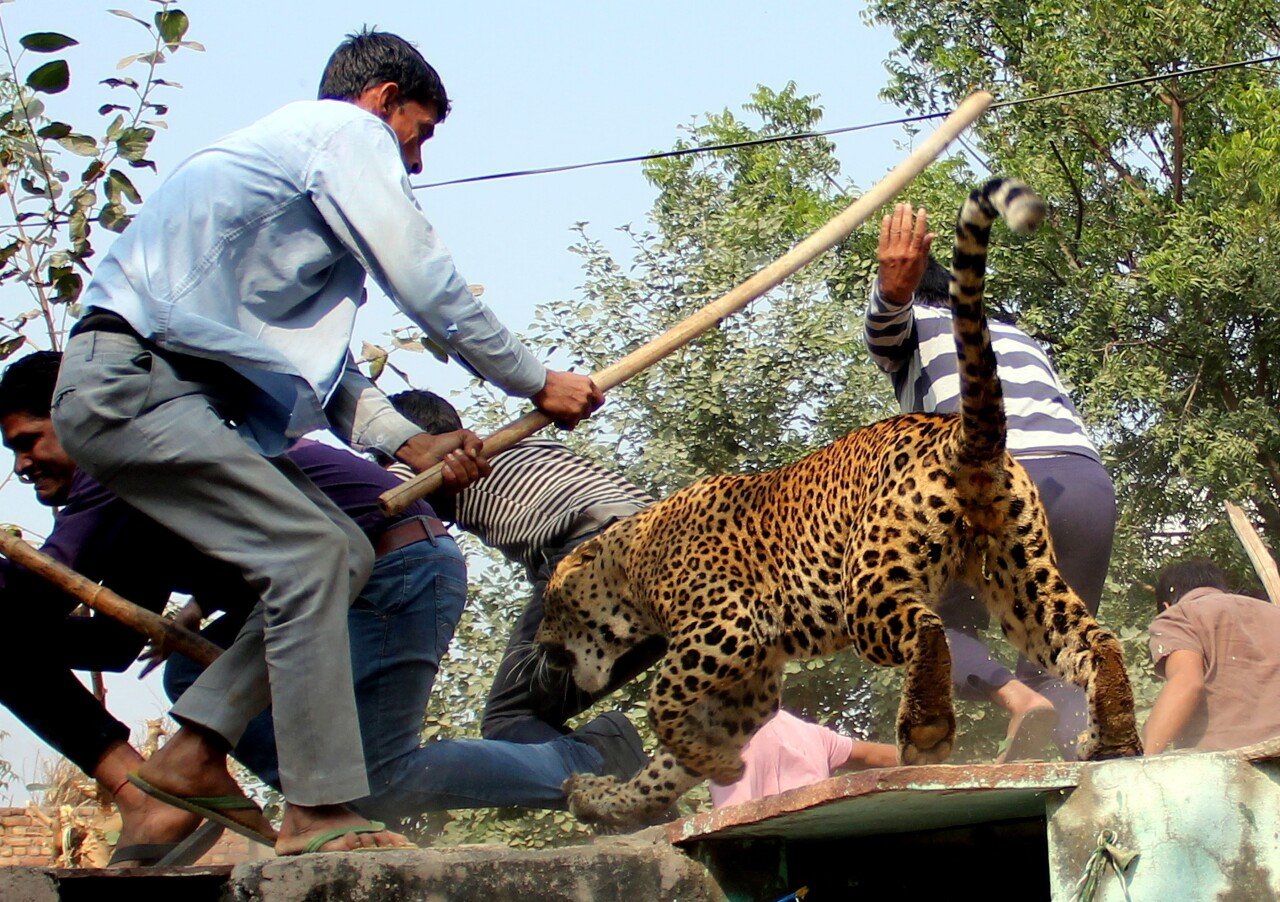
x=1153, y=284
x=772, y=382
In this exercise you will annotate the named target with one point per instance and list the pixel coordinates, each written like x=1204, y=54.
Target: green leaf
x=108, y=107
x=46, y=42
x=51, y=78
x=118, y=184
x=113, y=217
x=78, y=225
x=32, y=188
x=54, y=130
x=173, y=24
x=192, y=45
x=121, y=82
x=437, y=352
x=114, y=129
x=67, y=285
x=81, y=145
x=132, y=143
x=125, y=14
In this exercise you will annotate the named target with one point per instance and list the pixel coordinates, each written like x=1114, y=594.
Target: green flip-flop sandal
x=211, y=808
x=323, y=839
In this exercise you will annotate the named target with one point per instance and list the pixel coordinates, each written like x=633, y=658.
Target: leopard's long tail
x=982, y=437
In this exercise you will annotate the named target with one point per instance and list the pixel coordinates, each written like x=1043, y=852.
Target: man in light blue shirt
x=217, y=331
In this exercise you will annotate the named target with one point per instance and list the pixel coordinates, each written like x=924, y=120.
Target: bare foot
x=302, y=824
x=1018, y=698
x=1032, y=722
x=191, y=764
x=145, y=820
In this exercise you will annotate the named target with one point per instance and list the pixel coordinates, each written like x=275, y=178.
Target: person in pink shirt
x=787, y=753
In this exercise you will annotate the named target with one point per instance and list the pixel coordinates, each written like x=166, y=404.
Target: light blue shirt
x=254, y=253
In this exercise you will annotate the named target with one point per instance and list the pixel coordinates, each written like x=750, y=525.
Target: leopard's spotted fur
x=851, y=544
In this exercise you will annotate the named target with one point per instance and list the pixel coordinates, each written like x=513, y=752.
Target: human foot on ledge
x=333, y=828
x=1031, y=722
x=190, y=773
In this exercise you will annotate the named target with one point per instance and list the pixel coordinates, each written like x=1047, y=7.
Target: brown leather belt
x=416, y=530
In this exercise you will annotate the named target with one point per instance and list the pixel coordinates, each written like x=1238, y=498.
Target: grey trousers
x=155, y=434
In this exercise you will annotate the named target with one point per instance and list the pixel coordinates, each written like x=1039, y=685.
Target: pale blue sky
x=533, y=84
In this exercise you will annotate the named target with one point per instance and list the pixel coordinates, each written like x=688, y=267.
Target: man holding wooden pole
x=230, y=300
x=108, y=541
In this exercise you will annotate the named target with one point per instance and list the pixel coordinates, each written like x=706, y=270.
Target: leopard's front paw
x=1092, y=747
x=926, y=741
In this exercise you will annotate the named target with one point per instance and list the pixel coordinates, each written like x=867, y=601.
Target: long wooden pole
x=395, y=500
x=1263, y=563
x=108, y=603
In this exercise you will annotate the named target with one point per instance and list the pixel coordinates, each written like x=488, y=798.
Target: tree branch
x=1177, y=111
x=1120, y=169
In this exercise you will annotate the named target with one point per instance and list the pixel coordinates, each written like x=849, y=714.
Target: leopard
x=851, y=545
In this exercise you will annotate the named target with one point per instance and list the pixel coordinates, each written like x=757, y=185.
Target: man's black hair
x=428, y=411
x=935, y=285
x=1178, y=579
x=27, y=384
x=368, y=58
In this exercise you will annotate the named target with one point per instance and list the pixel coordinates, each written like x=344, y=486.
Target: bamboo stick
x=395, y=500
x=1263, y=563
x=108, y=603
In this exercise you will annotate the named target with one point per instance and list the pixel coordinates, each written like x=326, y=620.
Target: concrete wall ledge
x=643, y=866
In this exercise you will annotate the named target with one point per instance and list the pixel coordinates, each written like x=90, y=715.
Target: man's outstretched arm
x=357, y=183
x=1178, y=700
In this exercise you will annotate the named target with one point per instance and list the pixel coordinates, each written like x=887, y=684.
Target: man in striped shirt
x=909, y=334
x=540, y=501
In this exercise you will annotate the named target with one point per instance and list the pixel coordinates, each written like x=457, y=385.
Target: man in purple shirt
x=400, y=627
x=103, y=538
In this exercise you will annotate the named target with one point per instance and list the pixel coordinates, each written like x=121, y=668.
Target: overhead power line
x=825, y=133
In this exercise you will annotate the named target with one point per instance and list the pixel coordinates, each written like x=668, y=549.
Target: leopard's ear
x=584, y=554
x=575, y=560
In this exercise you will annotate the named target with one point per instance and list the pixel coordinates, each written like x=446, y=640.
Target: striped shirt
x=539, y=495
x=914, y=344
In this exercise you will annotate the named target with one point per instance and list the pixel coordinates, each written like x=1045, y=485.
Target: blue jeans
x=400, y=628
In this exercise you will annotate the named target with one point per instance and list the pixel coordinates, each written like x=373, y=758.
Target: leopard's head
x=590, y=613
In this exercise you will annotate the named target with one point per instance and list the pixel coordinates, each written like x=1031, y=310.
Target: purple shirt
x=353, y=483
x=108, y=541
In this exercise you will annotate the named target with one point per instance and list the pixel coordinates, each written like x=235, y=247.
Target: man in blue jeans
x=400, y=628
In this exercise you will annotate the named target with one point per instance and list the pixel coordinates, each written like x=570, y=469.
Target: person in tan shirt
x=1219, y=655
